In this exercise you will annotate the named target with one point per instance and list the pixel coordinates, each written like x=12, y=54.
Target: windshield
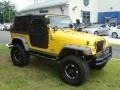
x=118, y=27
x=95, y=26
x=60, y=22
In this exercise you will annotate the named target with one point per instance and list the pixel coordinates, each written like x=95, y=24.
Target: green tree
x=7, y=11
x=1, y=12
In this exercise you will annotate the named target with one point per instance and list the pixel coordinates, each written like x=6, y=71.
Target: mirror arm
x=50, y=33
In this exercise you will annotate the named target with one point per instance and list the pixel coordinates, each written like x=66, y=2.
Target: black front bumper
x=106, y=55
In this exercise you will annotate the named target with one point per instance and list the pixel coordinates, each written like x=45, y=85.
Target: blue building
x=87, y=11
x=109, y=17
x=109, y=11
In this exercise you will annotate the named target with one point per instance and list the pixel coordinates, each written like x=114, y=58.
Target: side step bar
x=43, y=56
x=9, y=45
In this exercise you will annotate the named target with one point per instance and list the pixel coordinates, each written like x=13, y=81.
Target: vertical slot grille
x=100, y=45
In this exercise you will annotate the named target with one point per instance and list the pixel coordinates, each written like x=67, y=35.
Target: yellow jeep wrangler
x=52, y=37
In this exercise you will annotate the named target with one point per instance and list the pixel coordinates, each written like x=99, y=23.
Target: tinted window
x=103, y=26
x=86, y=17
x=38, y=25
x=118, y=27
x=20, y=24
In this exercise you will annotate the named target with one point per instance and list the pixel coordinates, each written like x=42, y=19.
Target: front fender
x=86, y=50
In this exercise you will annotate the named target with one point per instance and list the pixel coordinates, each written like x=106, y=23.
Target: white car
x=2, y=27
x=7, y=26
x=114, y=32
x=97, y=29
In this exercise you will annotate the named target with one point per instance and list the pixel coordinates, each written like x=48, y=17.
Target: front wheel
x=73, y=70
x=114, y=35
x=19, y=56
x=96, y=33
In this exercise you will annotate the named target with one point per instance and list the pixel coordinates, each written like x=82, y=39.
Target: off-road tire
x=19, y=56
x=82, y=69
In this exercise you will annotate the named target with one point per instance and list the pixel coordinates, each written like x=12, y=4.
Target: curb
x=116, y=59
x=113, y=44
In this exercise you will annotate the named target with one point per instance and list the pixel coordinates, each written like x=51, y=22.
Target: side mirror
x=55, y=28
x=47, y=20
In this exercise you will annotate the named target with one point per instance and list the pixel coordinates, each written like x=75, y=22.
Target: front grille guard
x=99, y=46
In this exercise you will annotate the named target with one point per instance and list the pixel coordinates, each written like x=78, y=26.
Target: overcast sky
x=20, y=4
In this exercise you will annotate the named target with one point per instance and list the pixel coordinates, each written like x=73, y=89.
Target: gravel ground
x=5, y=37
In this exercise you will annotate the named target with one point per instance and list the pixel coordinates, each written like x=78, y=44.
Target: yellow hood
x=79, y=38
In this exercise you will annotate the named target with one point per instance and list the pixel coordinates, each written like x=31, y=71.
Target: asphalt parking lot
x=116, y=52
x=5, y=39
x=112, y=40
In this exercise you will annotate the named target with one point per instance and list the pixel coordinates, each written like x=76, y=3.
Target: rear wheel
x=114, y=35
x=73, y=70
x=19, y=56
